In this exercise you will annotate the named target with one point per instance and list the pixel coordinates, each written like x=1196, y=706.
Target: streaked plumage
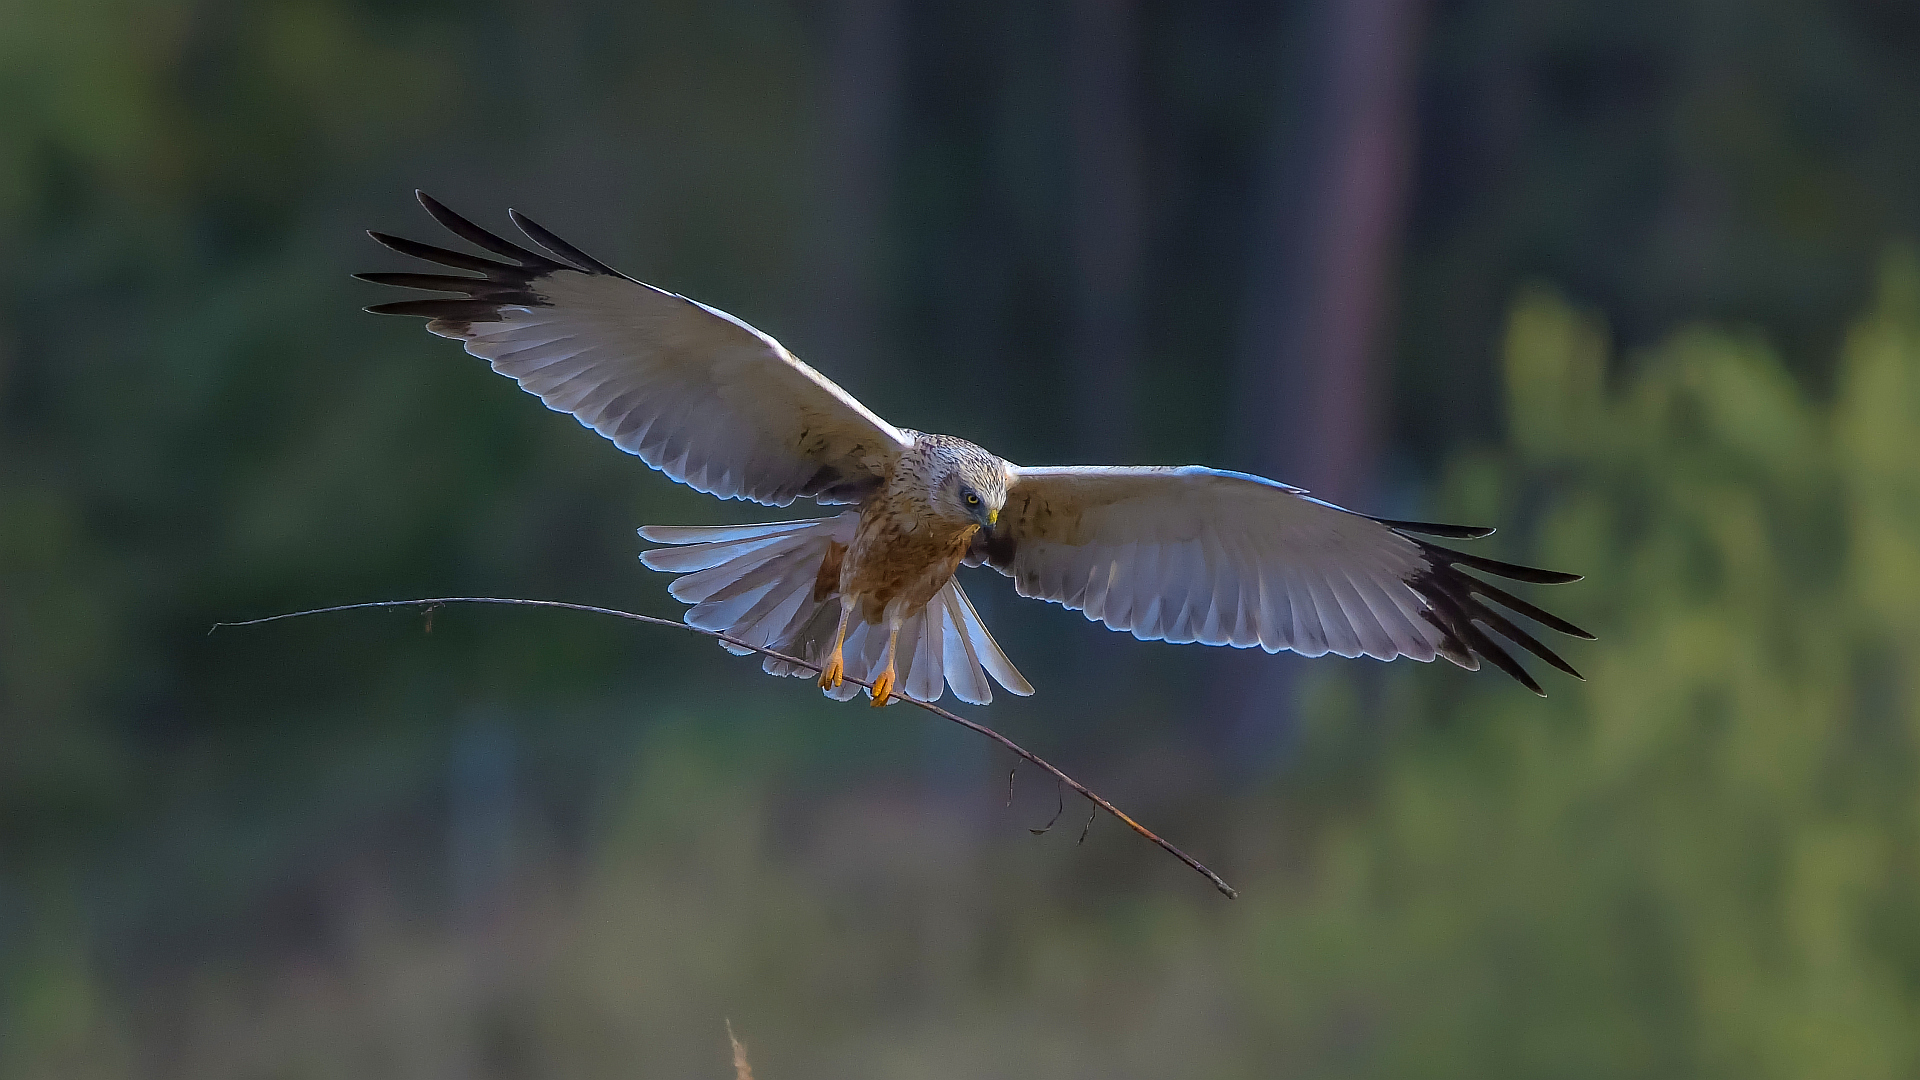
x=1174, y=554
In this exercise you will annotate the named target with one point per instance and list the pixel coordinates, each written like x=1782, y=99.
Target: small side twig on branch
x=1022, y=752
x=1060, y=807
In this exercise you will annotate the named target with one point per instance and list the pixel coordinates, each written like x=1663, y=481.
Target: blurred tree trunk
x=859, y=135
x=1321, y=280
x=1106, y=219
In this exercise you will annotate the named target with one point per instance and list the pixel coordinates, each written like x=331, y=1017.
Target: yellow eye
x=972, y=499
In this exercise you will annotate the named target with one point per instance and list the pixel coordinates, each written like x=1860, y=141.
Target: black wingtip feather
x=584, y=262
x=1428, y=528
x=430, y=282
x=479, y=237
x=1521, y=607
x=465, y=311
x=1455, y=607
x=459, y=260
x=1497, y=656
x=1504, y=626
x=501, y=284
x=1513, y=571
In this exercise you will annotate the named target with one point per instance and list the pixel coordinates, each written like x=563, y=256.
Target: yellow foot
x=833, y=673
x=883, y=688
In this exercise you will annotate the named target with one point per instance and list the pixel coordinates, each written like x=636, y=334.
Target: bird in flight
x=1171, y=554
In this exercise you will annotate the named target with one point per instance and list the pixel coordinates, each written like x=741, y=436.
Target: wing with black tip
x=689, y=389
x=1194, y=554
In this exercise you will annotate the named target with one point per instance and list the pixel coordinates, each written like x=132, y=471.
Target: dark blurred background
x=1626, y=279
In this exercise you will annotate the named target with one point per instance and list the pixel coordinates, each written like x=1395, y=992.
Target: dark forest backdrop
x=1627, y=279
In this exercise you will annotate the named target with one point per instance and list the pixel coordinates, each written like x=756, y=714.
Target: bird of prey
x=1173, y=554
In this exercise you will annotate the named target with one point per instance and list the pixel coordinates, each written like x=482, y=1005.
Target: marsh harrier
x=1171, y=554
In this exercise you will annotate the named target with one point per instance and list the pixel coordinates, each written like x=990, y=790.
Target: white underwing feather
x=1195, y=554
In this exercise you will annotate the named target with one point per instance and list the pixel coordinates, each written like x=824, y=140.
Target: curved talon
x=883, y=688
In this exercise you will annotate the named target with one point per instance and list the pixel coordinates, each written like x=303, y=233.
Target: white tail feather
x=962, y=663
x=708, y=534
x=928, y=670
x=985, y=647
x=756, y=583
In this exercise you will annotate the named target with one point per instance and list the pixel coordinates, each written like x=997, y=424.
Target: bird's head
x=970, y=484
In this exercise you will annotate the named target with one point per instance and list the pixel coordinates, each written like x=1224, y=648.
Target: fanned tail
x=945, y=642
x=760, y=584
x=751, y=582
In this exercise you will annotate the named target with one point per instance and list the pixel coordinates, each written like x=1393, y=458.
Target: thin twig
x=1060, y=807
x=1016, y=748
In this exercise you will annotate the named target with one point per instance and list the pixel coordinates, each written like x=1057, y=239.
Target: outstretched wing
x=691, y=390
x=1192, y=554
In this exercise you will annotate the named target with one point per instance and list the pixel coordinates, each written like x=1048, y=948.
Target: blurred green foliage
x=1706, y=862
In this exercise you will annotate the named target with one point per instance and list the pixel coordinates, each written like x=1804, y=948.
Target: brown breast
x=901, y=552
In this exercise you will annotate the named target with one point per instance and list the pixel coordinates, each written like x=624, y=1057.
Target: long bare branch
x=1026, y=755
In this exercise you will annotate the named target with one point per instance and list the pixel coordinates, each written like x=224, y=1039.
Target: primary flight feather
x=1170, y=554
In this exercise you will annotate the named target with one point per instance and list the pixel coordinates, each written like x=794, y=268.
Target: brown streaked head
x=967, y=483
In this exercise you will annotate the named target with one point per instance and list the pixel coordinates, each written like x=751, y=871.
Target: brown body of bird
x=913, y=533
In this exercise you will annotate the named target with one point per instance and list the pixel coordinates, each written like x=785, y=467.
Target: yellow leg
x=835, y=670
x=883, y=685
